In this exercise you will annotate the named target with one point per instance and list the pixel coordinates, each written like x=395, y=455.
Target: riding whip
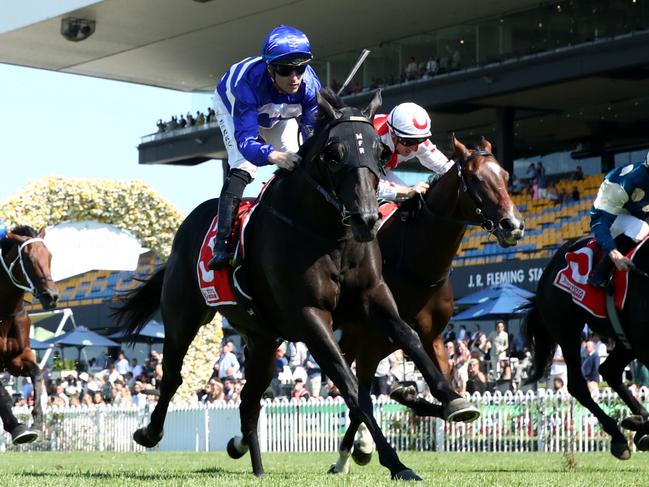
x=358, y=64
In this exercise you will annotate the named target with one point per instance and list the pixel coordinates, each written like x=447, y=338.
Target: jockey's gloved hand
x=622, y=262
x=285, y=160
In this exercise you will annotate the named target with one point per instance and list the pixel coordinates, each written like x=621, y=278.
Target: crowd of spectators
x=121, y=382
x=537, y=185
x=188, y=120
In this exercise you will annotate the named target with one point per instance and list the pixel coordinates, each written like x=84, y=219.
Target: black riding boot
x=602, y=273
x=228, y=207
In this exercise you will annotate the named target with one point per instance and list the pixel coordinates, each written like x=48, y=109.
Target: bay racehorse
x=25, y=262
x=556, y=320
x=312, y=260
x=418, y=245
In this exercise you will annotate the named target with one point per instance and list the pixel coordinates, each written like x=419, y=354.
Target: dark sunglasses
x=286, y=70
x=411, y=142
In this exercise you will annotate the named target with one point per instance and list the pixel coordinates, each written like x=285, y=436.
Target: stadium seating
x=547, y=226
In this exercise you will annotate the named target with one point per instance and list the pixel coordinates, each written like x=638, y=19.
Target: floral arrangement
x=130, y=205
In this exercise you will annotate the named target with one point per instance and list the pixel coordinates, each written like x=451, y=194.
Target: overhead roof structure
x=186, y=45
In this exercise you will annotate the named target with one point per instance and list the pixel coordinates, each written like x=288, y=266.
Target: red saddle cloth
x=386, y=210
x=574, y=280
x=216, y=285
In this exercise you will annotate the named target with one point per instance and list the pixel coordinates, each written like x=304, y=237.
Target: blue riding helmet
x=286, y=45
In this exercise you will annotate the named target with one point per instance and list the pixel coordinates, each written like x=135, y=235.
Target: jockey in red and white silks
x=405, y=130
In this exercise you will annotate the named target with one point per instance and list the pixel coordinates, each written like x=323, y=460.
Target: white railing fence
x=509, y=422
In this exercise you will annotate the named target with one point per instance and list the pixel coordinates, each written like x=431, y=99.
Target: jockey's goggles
x=287, y=70
x=411, y=142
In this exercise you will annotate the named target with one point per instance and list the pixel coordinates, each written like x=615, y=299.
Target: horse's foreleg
x=260, y=360
x=382, y=311
x=321, y=343
x=36, y=376
x=19, y=432
x=579, y=389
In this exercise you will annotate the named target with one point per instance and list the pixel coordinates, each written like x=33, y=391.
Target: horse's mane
x=25, y=230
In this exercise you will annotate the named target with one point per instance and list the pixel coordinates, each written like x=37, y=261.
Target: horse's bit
x=19, y=260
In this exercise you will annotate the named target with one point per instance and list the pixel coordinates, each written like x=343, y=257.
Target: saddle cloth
x=216, y=286
x=573, y=279
x=387, y=209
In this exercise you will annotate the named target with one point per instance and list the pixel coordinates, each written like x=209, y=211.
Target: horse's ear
x=16, y=237
x=326, y=107
x=486, y=144
x=374, y=105
x=459, y=148
x=41, y=233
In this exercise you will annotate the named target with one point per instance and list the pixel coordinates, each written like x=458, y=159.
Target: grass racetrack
x=308, y=469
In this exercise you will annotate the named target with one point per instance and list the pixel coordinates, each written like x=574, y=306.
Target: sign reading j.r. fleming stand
x=521, y=273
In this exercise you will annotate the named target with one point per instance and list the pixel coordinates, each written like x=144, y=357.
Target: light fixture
x=75, y=29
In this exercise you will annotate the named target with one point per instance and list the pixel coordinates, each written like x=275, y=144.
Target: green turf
x=304, y=470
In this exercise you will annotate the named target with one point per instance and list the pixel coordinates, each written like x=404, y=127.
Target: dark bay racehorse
x=25, y=262
x=306, y=268
x=556, y=319
x=418, y=245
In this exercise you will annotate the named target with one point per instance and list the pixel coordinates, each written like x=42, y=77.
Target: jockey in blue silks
x=621, y=207
x=3, y=230
x=257, y=103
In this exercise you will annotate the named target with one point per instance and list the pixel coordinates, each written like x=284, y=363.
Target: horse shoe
x=461, y=410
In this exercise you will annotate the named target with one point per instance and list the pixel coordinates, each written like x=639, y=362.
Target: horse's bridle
x=30, y=288
x=486, y=223
x=330, y=194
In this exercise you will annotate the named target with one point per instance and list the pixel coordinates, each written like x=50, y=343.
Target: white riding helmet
x=409, y=121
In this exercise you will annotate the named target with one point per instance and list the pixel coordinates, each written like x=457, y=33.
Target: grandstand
x=100, y=286
x=547, y=226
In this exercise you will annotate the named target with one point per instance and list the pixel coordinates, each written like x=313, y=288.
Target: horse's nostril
x=507, y=225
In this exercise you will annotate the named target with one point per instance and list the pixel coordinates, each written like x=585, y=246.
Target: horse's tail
x=139, y=305
x=541, y=343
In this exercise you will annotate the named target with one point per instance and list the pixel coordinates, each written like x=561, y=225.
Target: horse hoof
x=406, y=474
x=334, y=470
x=360, y=457
x=620, y=451
x=232, y=449
x=461, y=410
x=404, y=394
x=633, y=423
x=22, y=434
x=141, y=437
x=641, y=441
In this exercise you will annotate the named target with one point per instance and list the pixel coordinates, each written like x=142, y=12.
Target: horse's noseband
x=30, y=288
x=486, y=223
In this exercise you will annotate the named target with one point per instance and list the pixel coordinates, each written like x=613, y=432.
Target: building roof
x=187, y=45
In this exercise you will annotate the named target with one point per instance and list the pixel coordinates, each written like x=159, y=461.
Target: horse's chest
x=9, y=348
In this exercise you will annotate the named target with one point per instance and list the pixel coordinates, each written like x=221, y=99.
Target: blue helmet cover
x=286, y=45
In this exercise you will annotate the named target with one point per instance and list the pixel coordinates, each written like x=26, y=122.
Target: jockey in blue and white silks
x=621, y=207
x=257, y=103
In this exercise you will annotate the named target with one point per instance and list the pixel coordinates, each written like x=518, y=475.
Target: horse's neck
x=11, y=298
x=437, y=231
x=297, y=200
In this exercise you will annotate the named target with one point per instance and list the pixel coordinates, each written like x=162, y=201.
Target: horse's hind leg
x=579, y=389
x=260, y=364
x=181, y=326
x=612, y=371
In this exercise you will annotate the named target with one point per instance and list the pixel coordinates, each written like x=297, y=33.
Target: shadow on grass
x=124, y=474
